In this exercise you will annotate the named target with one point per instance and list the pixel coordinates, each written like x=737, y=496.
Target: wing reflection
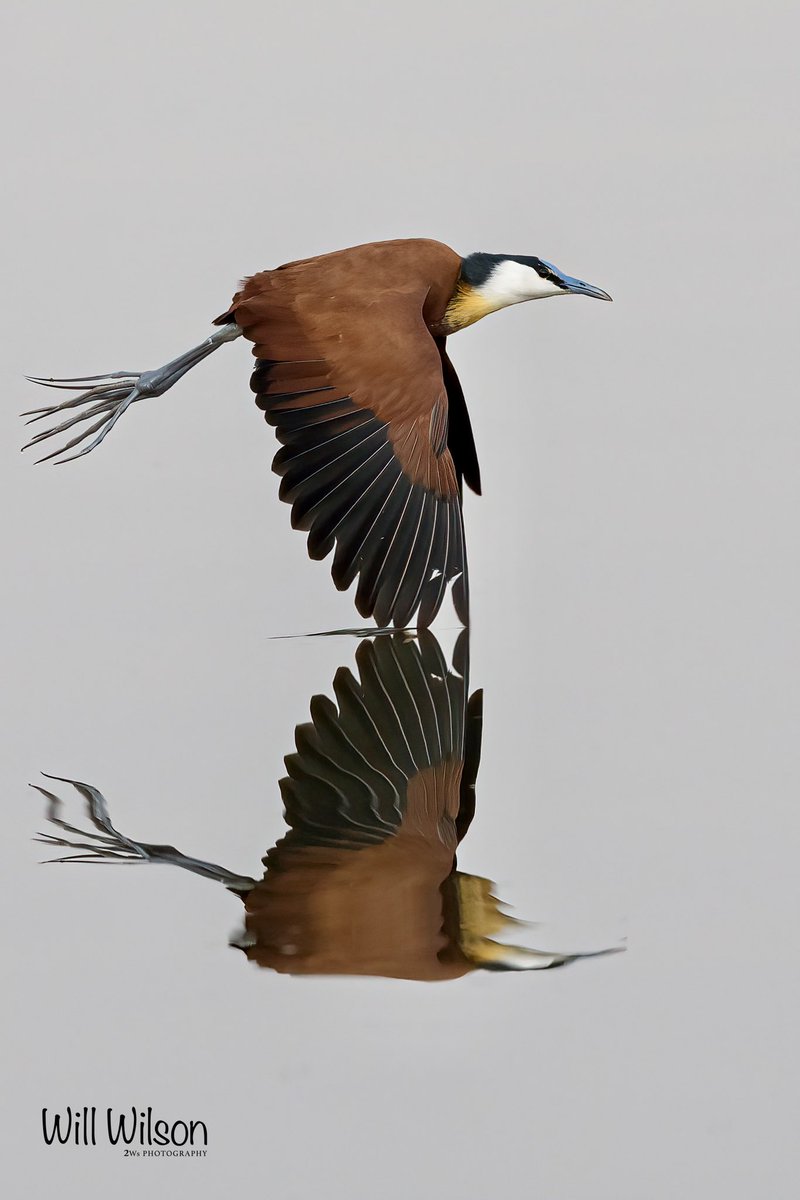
x=377, y=796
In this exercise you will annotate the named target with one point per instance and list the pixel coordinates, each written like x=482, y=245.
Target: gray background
x=634, y=561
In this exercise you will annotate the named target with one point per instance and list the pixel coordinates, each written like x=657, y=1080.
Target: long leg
x=108, y=396
x=109, y=845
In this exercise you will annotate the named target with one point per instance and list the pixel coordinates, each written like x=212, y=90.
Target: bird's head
x=488, y=282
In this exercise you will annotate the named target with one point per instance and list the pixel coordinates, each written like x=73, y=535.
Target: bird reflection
x=378, y=794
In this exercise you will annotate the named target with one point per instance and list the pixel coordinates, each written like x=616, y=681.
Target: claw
x=112, y=400
x=36, y=414
x=54, y=806
x=107, y=425
x=103, y=406
x=73, y=442
x=95, y=803
x=80, y=380
x=108, y=392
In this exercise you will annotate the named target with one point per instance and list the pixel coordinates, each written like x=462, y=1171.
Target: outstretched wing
x=390, y=759
x=352, y=380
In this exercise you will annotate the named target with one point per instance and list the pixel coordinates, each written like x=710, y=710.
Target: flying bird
x=378, y=794
x=352, y=371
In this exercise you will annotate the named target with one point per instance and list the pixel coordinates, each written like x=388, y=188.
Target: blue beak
x=578, y=288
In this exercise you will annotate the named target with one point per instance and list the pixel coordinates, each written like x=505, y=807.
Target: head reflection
x=378, y=794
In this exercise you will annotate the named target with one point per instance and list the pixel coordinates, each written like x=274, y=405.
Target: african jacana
x=378, y=795
x=352, y=370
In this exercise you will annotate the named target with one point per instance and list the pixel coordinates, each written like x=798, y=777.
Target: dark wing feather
x=472, y=757
x=460, y=439
x=403, y=717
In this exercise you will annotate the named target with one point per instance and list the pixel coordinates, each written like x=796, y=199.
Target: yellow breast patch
x=467, y=306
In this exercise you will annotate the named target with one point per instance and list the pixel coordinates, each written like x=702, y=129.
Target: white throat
x=512, y=282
